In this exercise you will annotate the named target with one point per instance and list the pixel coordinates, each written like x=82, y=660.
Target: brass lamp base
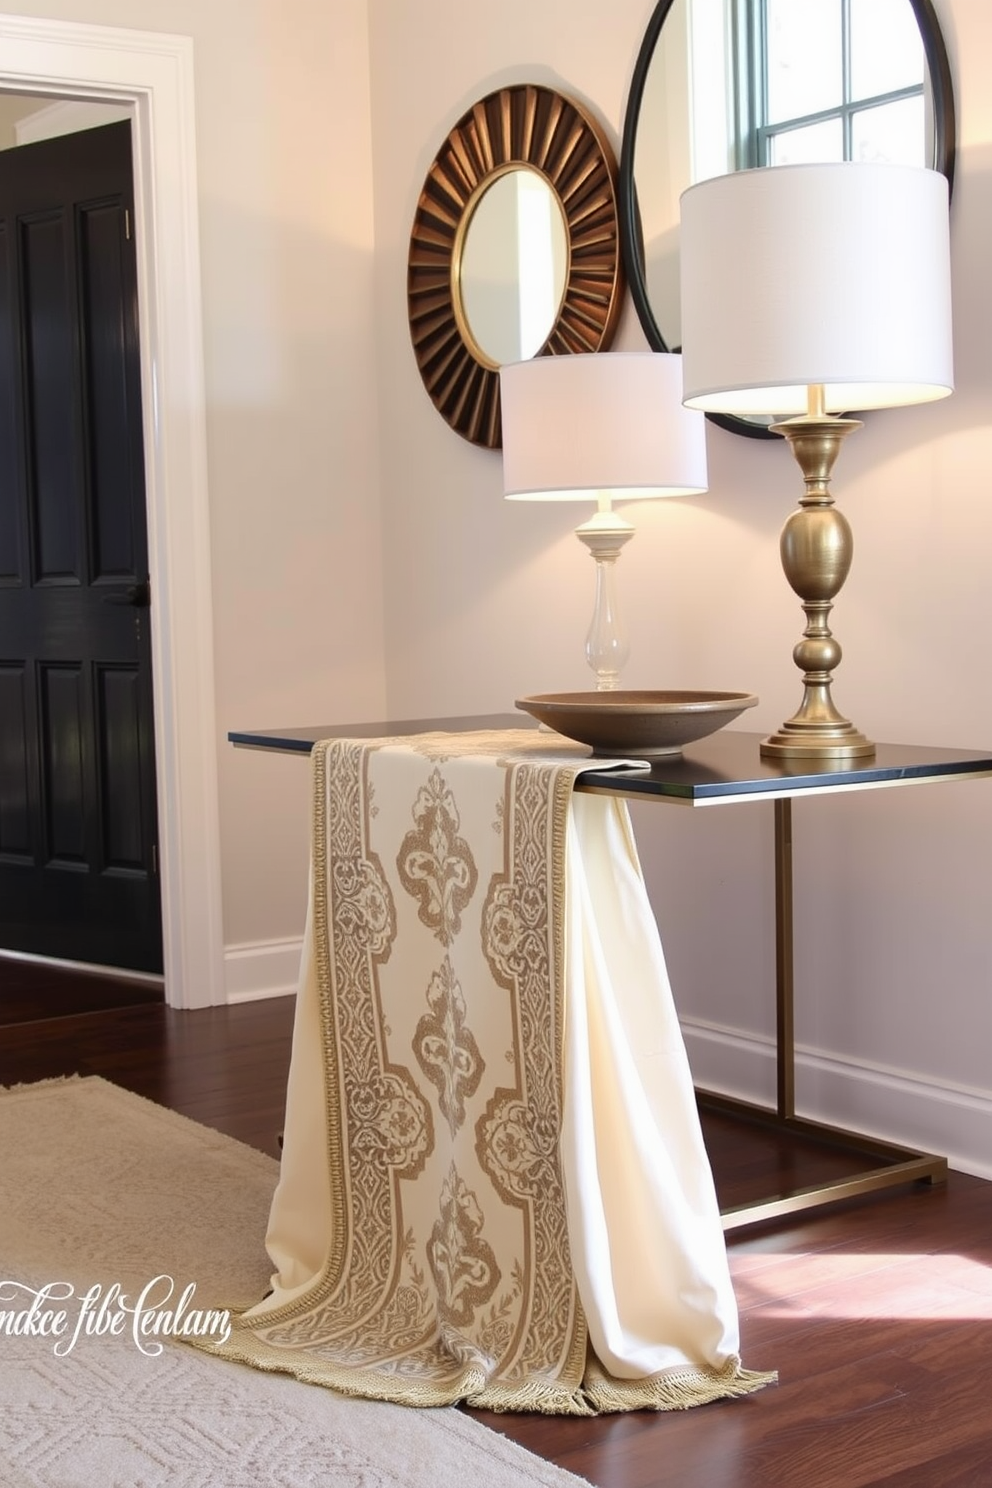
x=817, y=546
x=791, y=742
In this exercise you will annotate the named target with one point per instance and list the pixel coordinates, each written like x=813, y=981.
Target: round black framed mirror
x=743, y=122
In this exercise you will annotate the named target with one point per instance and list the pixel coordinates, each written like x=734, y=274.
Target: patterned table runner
x=493, y=1185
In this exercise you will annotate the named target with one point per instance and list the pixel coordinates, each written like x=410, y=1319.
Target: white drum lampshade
x=607, y=422
x=836, y=275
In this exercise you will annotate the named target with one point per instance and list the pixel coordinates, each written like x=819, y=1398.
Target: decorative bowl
x=645, y=725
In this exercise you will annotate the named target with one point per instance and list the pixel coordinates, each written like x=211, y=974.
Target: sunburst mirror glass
x=525, y=180
x=513, y=268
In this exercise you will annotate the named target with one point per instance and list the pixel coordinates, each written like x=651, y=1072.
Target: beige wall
x=486, y=600
x=284, y=172
x=12, y=109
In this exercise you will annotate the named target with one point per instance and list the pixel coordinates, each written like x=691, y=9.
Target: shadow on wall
x=971, y=242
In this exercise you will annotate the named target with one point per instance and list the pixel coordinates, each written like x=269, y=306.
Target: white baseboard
x=894, y=1105
x=262, y=968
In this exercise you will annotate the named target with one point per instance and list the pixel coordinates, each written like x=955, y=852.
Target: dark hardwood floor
x=29, y=990
x=877, y=1314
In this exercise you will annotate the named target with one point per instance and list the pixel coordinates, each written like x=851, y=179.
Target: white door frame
x=154, y=73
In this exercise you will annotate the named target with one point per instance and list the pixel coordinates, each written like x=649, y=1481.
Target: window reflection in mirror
x=511, y=274
x=740, y=83
x=844, y=80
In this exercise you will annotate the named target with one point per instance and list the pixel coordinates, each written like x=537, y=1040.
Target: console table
x=721, y=770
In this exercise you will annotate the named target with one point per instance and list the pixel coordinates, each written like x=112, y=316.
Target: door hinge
x=154, y=858
x=127, y=224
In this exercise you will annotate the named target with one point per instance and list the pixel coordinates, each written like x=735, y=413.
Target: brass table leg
x=890, y=1165
x=785, y=1027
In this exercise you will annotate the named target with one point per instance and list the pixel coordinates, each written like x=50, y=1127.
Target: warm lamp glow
x=600, y=427
x=834, y=275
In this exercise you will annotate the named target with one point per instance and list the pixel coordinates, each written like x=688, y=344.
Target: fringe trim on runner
x=675, y=1389
x=598, y=1393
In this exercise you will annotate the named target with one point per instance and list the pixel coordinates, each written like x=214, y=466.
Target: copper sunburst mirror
x=525, y=127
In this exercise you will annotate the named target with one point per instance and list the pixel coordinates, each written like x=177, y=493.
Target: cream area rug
x=111, y=1210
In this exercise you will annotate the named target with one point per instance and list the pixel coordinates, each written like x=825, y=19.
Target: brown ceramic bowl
x=645, y=725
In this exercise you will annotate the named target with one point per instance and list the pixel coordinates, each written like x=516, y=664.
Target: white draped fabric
x=493, y=1186
x=646, y=1239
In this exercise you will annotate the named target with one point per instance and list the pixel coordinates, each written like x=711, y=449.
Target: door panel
x=119, y=702
x=64, y=791
x=49, y=401
x=111, y=422
x=77, y=780
x=10, y=544
x=15, y=796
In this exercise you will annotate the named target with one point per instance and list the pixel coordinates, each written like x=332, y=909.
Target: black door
x=78, y=875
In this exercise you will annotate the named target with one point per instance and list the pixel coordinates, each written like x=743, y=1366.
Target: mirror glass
x=513, y=267
x=724, y=86
x=510, y=277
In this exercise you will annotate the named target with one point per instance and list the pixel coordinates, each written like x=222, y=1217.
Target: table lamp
x=600, y=427
x=808, y=291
